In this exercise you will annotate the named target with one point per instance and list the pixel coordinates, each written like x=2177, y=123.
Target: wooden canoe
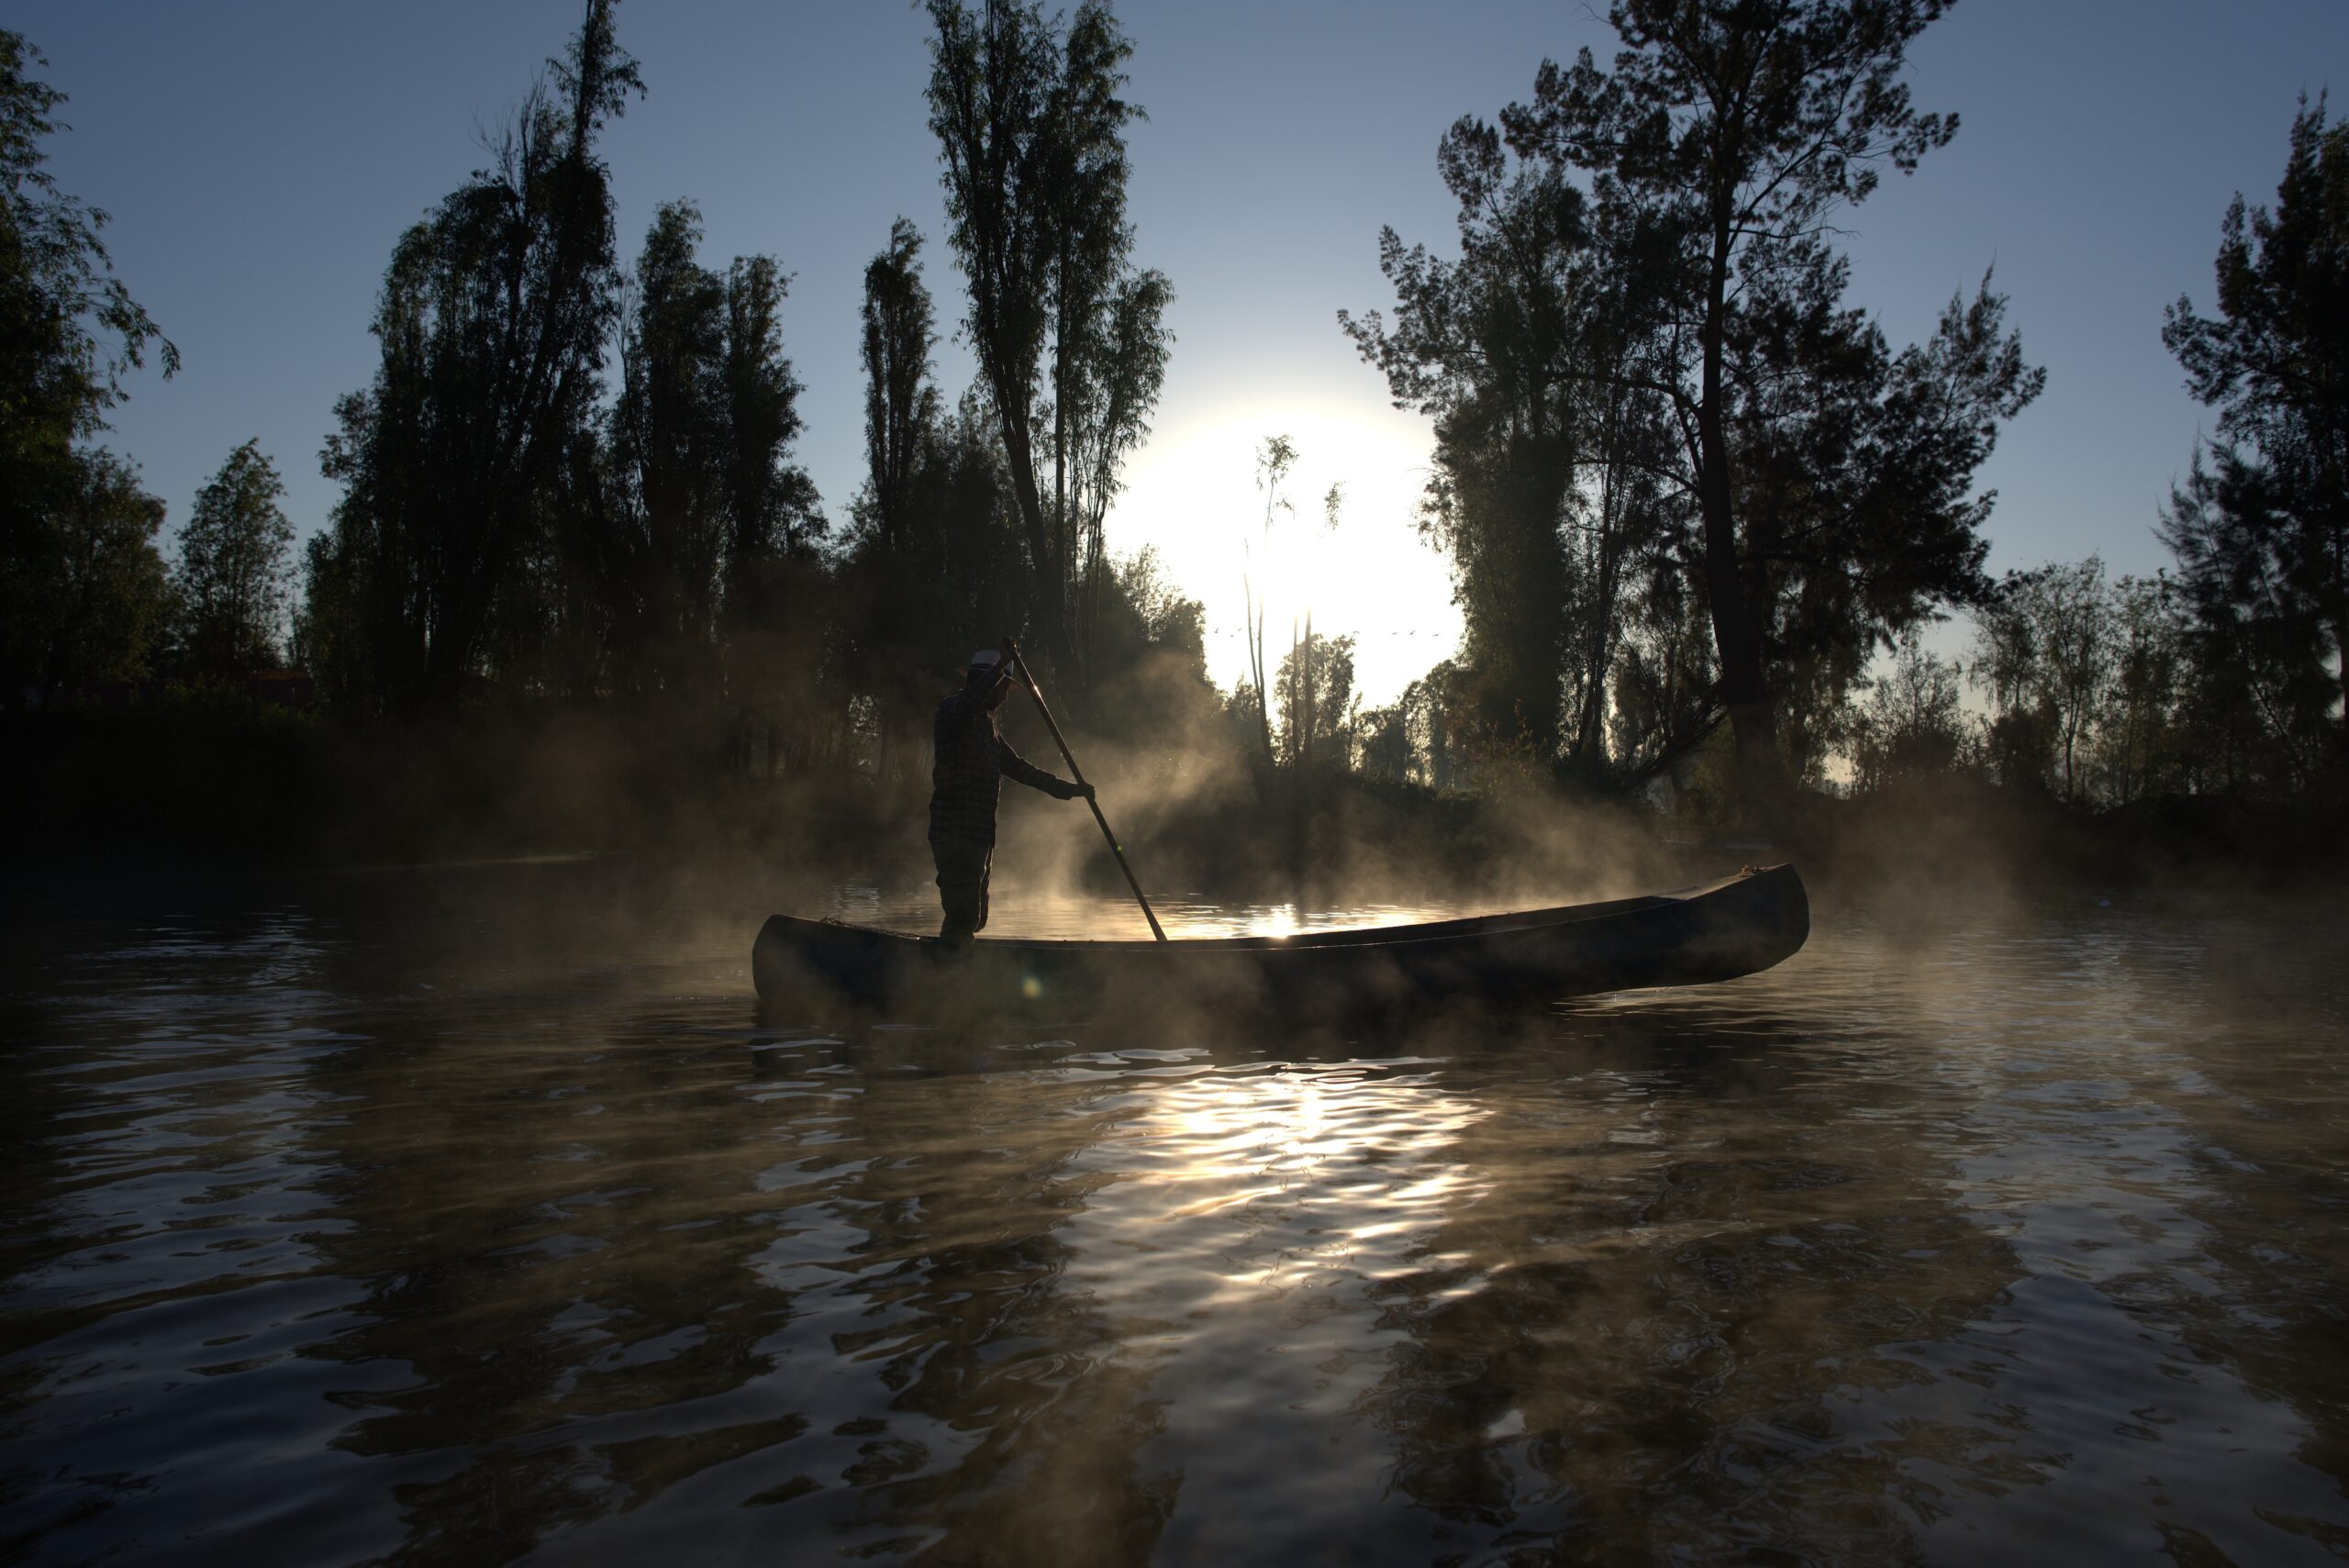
x=1736, y=926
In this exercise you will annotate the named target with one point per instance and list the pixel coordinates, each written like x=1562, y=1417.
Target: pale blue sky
x=260, y=157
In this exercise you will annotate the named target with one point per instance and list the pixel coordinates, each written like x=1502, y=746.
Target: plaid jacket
x=971, y=762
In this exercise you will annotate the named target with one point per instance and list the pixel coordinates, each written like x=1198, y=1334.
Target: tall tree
x=905, y=624
x=773, y=578
x=2263, y=536
x=900, y=404
x=1069, y=333
x=491, y=323
x=1854, y=471
x=235, y=567
x=1275, y=458
x=1739, y=127
x=670, y=438
x=69, y=332
x=1527, y=352
x=770, y=499
x=776, y=517
x=936, y=563
x=1485, y=345
x=2140, y=752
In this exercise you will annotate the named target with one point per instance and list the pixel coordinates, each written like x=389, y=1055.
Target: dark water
x=473, y=1216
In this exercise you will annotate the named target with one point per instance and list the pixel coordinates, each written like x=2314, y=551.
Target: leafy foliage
x=492, y=325
x=1650, y=395
x=707, y=502
x=1680, y=478
x=2262, y=532
x=106, y=608
x=1911, y=724
x=80, y=592
x=235, y=575
x=1829, y=477
x=1315, y=691
x=2048, y=654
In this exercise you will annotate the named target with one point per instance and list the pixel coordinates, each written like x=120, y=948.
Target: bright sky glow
x=260, y=158
x=1194, y=496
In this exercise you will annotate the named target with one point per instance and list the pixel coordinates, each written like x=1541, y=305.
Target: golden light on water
x=1272, y=1176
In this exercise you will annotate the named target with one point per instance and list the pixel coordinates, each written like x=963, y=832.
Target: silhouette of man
x=965, y=781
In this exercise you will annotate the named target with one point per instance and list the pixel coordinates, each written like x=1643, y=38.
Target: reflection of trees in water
x=2278, y=1177
x=155, y=1218
x=2236, y=1147
x=1686, y=1252
x=554, y=1224
x=977, y=1331
x=637, y=1283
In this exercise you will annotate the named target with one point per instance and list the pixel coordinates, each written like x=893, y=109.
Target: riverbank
x=220, y=780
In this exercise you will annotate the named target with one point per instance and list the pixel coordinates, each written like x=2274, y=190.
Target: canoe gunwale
x=1469, y=926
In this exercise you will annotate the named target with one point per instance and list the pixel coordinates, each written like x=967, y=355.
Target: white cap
x=986, y=659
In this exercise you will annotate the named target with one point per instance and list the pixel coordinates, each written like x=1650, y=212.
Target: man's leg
x=962, y=887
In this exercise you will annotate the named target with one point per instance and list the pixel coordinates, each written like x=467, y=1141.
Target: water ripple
x=465, y=1229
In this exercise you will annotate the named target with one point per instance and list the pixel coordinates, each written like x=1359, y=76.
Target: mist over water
x=472, y=1215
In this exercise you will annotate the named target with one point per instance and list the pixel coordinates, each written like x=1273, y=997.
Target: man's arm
x=1019, y=769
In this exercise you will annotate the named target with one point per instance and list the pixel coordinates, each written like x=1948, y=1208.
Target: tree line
x=1685, y=486
x=1692, y=496
x=572, y=480
x=2223, y=674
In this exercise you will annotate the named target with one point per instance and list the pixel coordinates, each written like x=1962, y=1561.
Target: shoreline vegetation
x=200, y=782
x=578, y=594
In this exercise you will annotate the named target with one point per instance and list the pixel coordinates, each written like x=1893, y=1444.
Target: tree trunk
x=1737, y=633
x=1590, y=733
x=1256, y=629
x=1051, y=630
x=2341, y=626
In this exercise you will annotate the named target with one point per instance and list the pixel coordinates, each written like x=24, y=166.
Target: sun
x=1191, y=494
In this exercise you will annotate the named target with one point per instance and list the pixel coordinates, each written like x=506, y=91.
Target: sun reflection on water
x=1263, y=1179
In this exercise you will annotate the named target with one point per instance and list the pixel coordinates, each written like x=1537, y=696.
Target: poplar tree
x=671, y=440
x=900, y=404
x=1068, y=331
x=934, y=564
x=774, y=517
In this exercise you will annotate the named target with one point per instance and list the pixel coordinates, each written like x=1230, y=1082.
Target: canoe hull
x=1737, y=926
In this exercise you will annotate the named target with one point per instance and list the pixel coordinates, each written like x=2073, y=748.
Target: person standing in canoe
x=972, y=760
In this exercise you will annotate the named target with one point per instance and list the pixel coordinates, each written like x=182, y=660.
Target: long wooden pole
x=1077, y=773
